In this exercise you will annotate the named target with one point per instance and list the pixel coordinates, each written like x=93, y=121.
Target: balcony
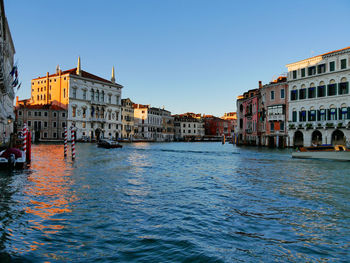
x=95, y=102
x=277, y=117
x=97, y=119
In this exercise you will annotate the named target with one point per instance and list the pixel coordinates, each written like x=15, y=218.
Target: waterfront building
x=319, y=101
x=7, y=94
x=127, y=116
x=248, y=116
x=188, y=126
x=168, y=128
x=232, y=117
x=46, y=122
x=215, y=126
x=152, y=123
x=274, y=113
x=93, y=103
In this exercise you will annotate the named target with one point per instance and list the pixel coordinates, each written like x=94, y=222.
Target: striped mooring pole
x=24, y=131
x=65, y=141
x=73, y=145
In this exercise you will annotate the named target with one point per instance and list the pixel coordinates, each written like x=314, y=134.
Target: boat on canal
x=12, y=158
x=337, y=152
x=108, y=144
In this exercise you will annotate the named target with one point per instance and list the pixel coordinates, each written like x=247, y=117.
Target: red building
x=215, y=126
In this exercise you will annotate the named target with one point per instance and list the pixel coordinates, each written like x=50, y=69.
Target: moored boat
x=108, y=144
x=337, y=152
x=12, y=158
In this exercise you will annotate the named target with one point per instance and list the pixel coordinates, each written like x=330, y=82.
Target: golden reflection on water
x=48, y=190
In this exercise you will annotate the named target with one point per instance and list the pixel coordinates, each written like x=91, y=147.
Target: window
x=272, y=126
x=312, y=115
x=20, y=113
x=64, y=93
x=294, y=95
x=183, y=131
x=184, y=125
x=29, y=123
x=302, y=115
x=74, y=111
x=39, y=113
x=189, y=131
x=321, y=68
x=55, y=135
x=332, y=114
x=343, y=64
x=332, y=89
x=54, y=124
x=83, y=124
x=302, y=94
x=74, y=93
x=321, y=91
x=311, y=71
x=282, y=93
x=311, y=92
x=63, y=114
x=45, y=124
x=303, y=72
x=45, y=134
x=331, y=66
x=294, y=118
x=189, y=125
x=109, y=98
x=84, y=94
x=45, y=113
x=35, y=113
x=343, y=88
x=92, y=94
x=343, y=113
x=322, y=115
x=294, y=74
x=63, y=124
x=29, y=113
x=272, y=95
x=282, y=126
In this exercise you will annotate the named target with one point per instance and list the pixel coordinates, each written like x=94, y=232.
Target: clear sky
x=188, y=55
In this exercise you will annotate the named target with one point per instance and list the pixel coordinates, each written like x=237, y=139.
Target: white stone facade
x=188, y=127
x=319, y=100
x=94, y=108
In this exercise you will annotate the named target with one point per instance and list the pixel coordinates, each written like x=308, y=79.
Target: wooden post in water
x=73, y=144
x=65, y=141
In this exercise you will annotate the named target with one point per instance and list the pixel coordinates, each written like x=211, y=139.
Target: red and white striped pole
x=24, y=131
x=65, y=141
x=73, y=144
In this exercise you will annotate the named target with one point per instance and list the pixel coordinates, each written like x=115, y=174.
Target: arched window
x=294, y=93
x=321, y=90
x=92, y=94
x=294, y=116
x=302, y=114
x=332, y=113
x=343, y=112
x=311, y=91
x=343, y=86
x=322, y=114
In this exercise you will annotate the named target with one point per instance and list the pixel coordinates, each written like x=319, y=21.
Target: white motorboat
x=337, y=152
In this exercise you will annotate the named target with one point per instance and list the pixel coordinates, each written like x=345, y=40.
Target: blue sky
x=188, y=55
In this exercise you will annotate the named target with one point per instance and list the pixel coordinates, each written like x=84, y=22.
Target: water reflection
x=48, y=192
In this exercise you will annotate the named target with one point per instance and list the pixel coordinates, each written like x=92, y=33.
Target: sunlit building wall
x=319, y=99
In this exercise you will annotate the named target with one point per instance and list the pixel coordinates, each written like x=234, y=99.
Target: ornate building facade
x=93, y=103
x=127, y=119
x=319, y=101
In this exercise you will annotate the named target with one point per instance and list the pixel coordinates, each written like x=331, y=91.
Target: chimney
x=260, y=84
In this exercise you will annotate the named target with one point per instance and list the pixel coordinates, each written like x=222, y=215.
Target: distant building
x=127, y=117
x=248, y=118
x=93, y=103
x=168, y=129
x=152, y=123
x=188, y=126
x=319, y=101
x=7, y=95
x=215, y=126
x=274, y=113
x=232, y=117
x=46, y=122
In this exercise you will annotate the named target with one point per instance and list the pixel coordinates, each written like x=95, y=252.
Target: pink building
x=274, y=113
x=248, y=118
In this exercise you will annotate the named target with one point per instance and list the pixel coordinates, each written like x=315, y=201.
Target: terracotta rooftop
x=40, y=107
x=84, y=74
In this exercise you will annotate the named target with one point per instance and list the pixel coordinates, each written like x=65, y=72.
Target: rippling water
x=175, y=202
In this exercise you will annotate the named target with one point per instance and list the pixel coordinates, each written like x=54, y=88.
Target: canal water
x=175, y=202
